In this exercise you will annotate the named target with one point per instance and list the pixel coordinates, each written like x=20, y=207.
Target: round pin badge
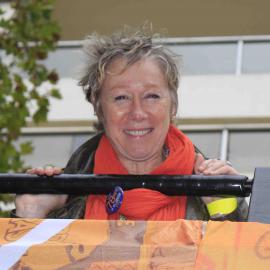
x=114, y=200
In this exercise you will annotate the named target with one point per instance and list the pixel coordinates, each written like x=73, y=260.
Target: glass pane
x=256, y=57
x=207, y=142
x=249, y=149
x=79, y=139
x=48, y=149
x=207, y=58
x=66, y=61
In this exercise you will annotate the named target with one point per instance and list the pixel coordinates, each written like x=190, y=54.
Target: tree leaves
x=55, y=93
x=26, y=148
x=25, y=40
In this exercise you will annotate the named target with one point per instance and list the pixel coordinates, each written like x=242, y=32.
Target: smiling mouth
x=138, y=132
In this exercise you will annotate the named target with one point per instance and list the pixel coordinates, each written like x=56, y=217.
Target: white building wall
x=208, y=96
x=225, y=96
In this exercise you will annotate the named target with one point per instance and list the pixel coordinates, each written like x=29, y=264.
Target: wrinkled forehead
x=143, y=74
x=121, y=63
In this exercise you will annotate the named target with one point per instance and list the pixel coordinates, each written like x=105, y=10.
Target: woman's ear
x=173, y=111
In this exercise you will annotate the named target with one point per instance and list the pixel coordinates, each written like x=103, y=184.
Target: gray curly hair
x=101, y=51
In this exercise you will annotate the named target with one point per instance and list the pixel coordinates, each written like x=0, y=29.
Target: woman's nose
x=137, y=110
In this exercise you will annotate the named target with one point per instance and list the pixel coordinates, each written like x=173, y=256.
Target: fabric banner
x=97, y=245
x=235, y=245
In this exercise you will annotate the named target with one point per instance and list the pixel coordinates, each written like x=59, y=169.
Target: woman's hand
x=212, y=167
x=48, y=170
x=38, y=206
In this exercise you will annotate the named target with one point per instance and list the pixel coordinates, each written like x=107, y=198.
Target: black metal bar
x=190, y=185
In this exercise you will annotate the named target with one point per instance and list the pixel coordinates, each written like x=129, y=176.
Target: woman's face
x=136, y=106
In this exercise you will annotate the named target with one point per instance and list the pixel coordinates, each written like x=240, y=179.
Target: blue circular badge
x=114, y=200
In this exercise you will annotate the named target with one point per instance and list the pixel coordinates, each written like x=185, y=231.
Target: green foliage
x=25, y=83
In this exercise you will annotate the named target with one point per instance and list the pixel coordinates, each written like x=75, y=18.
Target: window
x=249, y=149
x=215, y=58
x=256, y=57
x=208, y=142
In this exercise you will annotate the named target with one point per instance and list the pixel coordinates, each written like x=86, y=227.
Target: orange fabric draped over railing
x=128, y=245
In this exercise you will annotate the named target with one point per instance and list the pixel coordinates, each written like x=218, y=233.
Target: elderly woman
x=132, y=84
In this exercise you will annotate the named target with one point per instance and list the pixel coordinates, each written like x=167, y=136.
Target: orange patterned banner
x=97, y=245
x=235, y=245
x=114, y=245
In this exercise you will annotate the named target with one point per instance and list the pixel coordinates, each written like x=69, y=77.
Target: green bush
x=25, y=41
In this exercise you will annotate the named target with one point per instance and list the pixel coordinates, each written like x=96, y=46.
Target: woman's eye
x=120, y=98
x=153, y=96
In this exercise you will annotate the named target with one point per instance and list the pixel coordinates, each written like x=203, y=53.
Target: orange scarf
x=144, y=204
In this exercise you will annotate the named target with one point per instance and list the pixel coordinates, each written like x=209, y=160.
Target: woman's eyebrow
x=126, y=86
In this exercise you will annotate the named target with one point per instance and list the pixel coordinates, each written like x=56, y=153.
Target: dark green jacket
x=82, y=161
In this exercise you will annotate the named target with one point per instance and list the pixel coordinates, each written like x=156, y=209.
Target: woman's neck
x=141, y=167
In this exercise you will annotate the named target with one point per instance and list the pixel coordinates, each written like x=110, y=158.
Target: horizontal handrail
x=82, y=184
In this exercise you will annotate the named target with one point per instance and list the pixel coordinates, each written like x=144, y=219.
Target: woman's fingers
x=31, y=171
x=57, y=170
x=198, y=165
x=40, y=171
x=225, y=169
x=48, y=170
x=212, y=166
x=202, y=164
x=206, y=165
